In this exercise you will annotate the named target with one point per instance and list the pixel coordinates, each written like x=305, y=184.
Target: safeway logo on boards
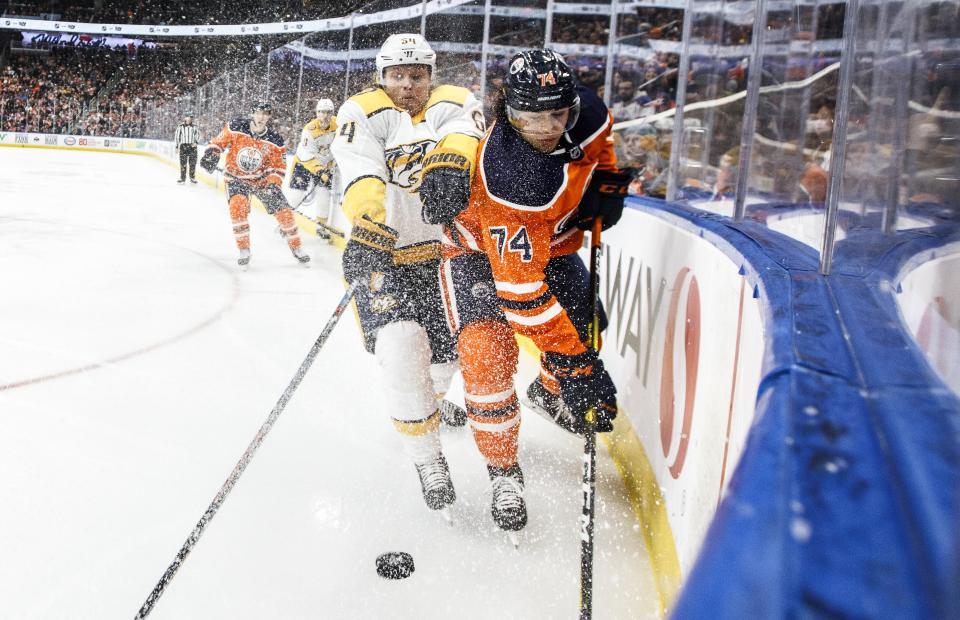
x=69, y=140
x=681, y=352
x=634, y=301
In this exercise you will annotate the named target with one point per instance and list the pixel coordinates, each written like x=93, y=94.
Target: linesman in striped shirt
x=185, y=141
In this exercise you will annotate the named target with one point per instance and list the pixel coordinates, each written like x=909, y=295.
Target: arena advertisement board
x=685, y=347
x=73, y=39
x=336, y=23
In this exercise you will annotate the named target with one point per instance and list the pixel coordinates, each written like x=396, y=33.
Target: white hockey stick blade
x=514, y=538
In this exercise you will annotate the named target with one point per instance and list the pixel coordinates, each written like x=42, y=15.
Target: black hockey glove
x=604, y=197
x=584, y=383
x=210, y=159
x=445, y=188
x=369, y=250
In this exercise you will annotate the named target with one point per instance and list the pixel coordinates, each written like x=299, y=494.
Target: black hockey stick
x=247, y=456
x=590, y=440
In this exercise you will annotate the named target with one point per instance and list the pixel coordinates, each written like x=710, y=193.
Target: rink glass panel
x=643, y=93
x=902, y=165
x=581, y=32
x=456, y=33
x=284, y=82
x=258, y=89
x=900, y=179
x=324, y=71
x=236, y=88
x=790, y=143
x=369, y=36
x=708, y=137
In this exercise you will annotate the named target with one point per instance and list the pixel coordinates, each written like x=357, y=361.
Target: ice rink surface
x=137, y=363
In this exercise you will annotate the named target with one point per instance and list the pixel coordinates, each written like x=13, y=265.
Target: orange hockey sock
x=488, y=361
x=239, y=210
x=288, y=227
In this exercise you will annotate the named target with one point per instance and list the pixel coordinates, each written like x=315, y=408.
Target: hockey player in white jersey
x=309, y=183
x=401, y=137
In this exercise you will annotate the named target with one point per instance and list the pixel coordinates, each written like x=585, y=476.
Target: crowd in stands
x=103, y=91
x=47, y=93
x=116, y=93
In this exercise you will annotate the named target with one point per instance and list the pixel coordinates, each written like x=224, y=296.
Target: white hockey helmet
x=324, y=105
x=405, y=49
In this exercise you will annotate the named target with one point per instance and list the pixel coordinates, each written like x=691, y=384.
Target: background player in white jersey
x=309, y=183
x=392, y=140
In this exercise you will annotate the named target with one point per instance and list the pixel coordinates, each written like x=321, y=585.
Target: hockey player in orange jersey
x=254, y=167
x=545, y=170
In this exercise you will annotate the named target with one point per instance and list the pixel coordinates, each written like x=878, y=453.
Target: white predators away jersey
x=314, y=145
x=380, y=149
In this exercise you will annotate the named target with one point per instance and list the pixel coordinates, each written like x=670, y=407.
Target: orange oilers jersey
x=254, y=159
x=522, y=207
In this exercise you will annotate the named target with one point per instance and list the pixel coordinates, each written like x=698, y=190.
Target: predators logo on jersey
x=405, y=163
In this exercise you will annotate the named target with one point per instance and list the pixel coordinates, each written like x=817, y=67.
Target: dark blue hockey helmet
x=540, y=80
x=540, y=96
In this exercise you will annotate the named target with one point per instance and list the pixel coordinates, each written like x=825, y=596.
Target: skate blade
x=447, y=515
x=514, y=538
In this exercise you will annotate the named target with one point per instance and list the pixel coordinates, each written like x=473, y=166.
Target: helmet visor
x=544, y=124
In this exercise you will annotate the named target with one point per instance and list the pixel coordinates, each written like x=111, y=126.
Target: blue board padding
x=846, y=499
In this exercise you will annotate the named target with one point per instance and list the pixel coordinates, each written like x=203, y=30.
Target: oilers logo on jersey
x=404, y=162
x=249, y=159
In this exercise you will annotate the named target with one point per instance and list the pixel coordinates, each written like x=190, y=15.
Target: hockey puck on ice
x=395, y=565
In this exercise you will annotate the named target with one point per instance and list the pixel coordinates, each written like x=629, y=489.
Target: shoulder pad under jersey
x=373, y=101
x=273, y=136
x=239, y=125
x=593, y=116
x=457, y=95
x=315, y=130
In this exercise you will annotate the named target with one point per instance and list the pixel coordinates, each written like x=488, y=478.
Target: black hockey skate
x=322, y=231
x=452, y=414
x=508, y=508
x=550, y=406
x=302, y=257
x=244, y=260
x=436, y=484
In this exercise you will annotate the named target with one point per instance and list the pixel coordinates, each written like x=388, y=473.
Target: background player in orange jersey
x=254, y=167
x=545, y=170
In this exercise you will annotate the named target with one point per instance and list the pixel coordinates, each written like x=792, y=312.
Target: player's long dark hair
x=500, y=110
